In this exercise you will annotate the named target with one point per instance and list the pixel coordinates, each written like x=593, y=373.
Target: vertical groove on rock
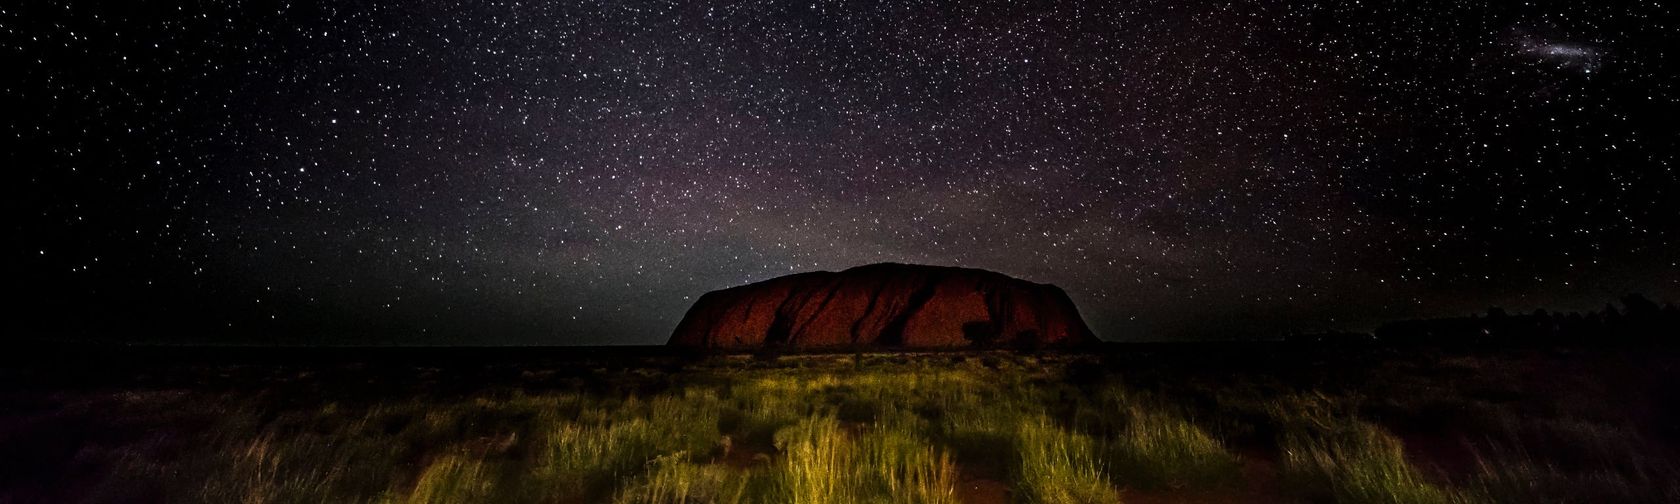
x=781, y=327
x=829, y=291
x=998, y=313
x=893, y=333
x=868, y=310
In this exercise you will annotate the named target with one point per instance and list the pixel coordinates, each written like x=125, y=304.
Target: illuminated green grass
x=841, y=430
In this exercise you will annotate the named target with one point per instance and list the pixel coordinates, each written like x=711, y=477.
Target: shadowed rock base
x=884, y=306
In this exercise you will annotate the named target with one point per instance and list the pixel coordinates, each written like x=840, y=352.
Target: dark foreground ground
x=1131, y=423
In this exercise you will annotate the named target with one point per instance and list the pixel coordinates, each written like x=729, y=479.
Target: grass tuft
x=902, y=467
x=1059, y=467
x=1357, y=464
x=1158, y=450
x=673, y=479
x=453, y=478
x=817, y=461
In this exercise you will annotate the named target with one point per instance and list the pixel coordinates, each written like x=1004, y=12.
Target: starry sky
x=428, y=172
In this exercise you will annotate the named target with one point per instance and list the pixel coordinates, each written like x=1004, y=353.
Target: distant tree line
x=1638, y=320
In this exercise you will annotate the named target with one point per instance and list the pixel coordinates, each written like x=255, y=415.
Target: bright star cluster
x=520, y=172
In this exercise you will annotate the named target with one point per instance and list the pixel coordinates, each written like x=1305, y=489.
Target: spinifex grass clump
x=1357, y=463
x=1058, y=466
x=454, y=478
x=981, y=418
x=589, y=457
x=1561, y=460
x=822, y=463
x=334, y=453
x=764, y=403
x=817, y=462
x=900, y=465
x=673, y=479
x=1519, y=479
x=1160, y=450
x=610, y=447
x=1150, y=447
x=981, y=435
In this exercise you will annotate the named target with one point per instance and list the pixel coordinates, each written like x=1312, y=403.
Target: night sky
x=579, y=172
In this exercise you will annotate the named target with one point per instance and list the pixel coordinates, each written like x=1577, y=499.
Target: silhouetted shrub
x=981, y=333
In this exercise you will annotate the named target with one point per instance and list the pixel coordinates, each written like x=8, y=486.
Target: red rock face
x=883, y=306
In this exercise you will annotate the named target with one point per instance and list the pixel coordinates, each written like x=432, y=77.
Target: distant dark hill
x=884, y=306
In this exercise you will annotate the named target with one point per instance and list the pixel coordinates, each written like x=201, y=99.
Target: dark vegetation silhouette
x=1639, y=320
x=981, y=334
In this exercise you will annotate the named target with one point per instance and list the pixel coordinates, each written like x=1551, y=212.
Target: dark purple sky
x=579, y=172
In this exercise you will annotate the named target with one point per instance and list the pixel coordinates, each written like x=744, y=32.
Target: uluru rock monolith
x=884, y=306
